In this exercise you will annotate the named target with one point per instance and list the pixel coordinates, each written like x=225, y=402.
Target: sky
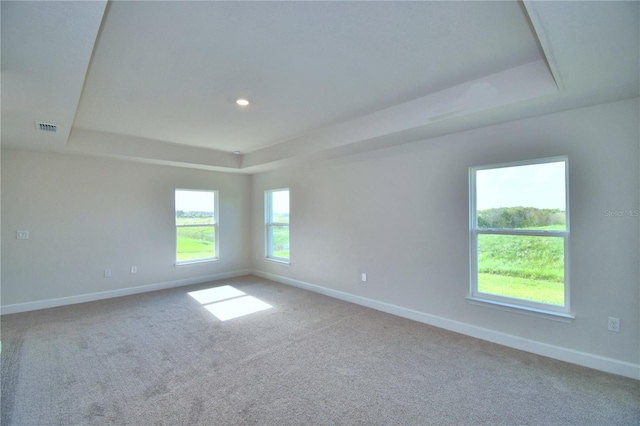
x=280, y=201
x=196, y=201
x=188, y=200
x=536, y=185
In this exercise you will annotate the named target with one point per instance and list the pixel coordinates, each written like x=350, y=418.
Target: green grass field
x=195, y=243
x=542, y=291
x=280, y=240
x=199, y=243
x=523, y=267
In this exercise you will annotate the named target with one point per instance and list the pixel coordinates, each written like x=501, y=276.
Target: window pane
x=194, y=207
x=522, y=267
x=195, y=242
x=522, y=197
x=280, y=241
x=277, y=223
x=280, y=207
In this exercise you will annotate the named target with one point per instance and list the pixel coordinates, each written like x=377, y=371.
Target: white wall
x=87, y=214
x=398, y=214
x=401, y=216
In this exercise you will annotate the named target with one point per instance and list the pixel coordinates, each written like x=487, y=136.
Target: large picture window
x=196, y=226
x=277, y=224
x=519, y=233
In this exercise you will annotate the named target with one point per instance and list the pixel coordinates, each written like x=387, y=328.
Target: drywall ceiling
x=46, y=49
x=157, y=81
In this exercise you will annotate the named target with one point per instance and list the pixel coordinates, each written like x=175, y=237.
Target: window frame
x=214, y=225
x=511, y=303
x=270, y=224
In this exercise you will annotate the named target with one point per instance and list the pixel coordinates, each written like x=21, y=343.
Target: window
x=519, y=233
x=196, y=226
x=277, y=224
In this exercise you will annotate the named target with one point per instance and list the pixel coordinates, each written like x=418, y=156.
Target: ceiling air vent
x=47, y=127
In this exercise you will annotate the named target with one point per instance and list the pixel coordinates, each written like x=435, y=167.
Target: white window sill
x=196, y=262
x=276, y=260
x=524, y=310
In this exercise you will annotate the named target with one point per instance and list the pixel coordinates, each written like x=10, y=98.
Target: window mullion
x=533, y=232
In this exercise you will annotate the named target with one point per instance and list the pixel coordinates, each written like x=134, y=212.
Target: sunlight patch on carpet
x=226, y=302
x=215, y=294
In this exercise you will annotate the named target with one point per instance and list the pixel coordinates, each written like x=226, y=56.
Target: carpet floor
x=164, y=358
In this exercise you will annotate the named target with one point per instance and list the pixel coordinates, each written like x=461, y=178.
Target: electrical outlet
x=363, y=277
x=614, y=324
x=107, y=273
x=22, y=235
x=134, y=269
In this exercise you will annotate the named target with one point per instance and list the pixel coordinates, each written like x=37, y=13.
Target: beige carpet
x=163, y=359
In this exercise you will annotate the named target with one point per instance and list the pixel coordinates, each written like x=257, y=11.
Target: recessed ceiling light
x=236, y=152
x=242, y=102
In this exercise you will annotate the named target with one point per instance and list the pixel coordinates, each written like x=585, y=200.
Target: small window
x=277, y=224
x=196, y=226
x=519, y=234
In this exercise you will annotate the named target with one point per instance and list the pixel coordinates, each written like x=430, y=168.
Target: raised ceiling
x=156, y=81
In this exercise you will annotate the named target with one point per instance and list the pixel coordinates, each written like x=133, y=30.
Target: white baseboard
x=584, y=359
x=90, y=297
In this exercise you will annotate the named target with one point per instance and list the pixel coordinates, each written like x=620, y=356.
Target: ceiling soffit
x=325, y=79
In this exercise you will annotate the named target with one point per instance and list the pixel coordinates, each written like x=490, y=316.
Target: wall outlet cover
x=614, y=324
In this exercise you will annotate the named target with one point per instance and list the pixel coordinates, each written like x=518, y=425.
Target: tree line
x=182, y=213
x=520, y=217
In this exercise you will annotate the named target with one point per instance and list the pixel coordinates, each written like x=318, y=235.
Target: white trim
x=280, y=260
x=196, y=261
x=521, y=309
x=584, y=359
x=90, y=297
